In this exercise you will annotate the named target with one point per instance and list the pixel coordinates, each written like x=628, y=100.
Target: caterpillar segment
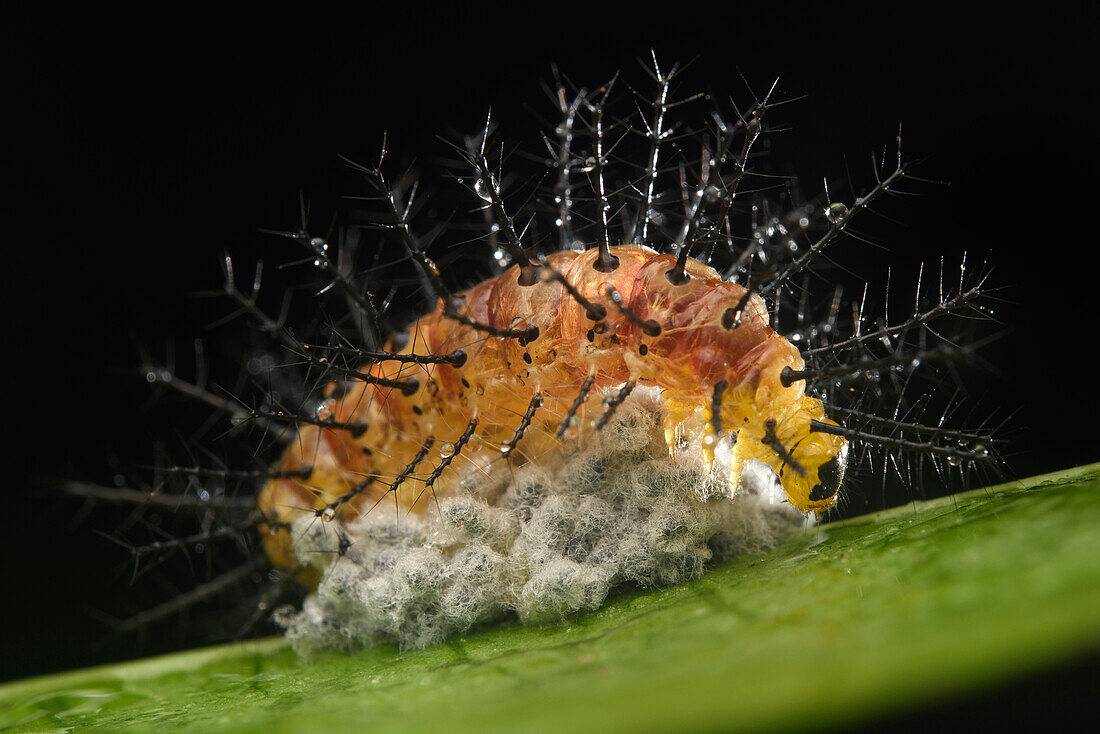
x=632, y=325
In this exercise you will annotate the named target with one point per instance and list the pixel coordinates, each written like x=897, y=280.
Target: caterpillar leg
x=737, y=465
x=678, y=412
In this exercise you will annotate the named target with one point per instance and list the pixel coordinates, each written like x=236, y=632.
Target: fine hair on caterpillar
x=655, y=332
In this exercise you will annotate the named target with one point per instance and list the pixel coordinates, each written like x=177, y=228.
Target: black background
x=144, y=147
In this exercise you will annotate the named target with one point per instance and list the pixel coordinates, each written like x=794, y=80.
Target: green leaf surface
x=846, y=621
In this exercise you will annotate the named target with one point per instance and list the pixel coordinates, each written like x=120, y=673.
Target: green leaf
x=846, y=621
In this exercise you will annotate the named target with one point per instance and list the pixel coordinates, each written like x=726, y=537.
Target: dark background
x=144, y=147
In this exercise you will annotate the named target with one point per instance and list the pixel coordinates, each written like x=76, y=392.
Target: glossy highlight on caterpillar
x=648, y=257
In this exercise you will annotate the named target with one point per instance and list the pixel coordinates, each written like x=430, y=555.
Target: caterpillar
x=621, y=275
x=705, y=342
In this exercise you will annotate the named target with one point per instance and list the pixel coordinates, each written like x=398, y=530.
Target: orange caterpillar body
x=685, y=338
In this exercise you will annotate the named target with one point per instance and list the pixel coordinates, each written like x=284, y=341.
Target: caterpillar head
x=783, y=431
x=822, y=460
x=810, y=464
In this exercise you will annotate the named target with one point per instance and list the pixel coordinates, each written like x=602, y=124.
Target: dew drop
x=835, y=212
x=483, y=191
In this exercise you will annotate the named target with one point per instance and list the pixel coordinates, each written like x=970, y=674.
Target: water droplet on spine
x=835, y=212
x=483, y=191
